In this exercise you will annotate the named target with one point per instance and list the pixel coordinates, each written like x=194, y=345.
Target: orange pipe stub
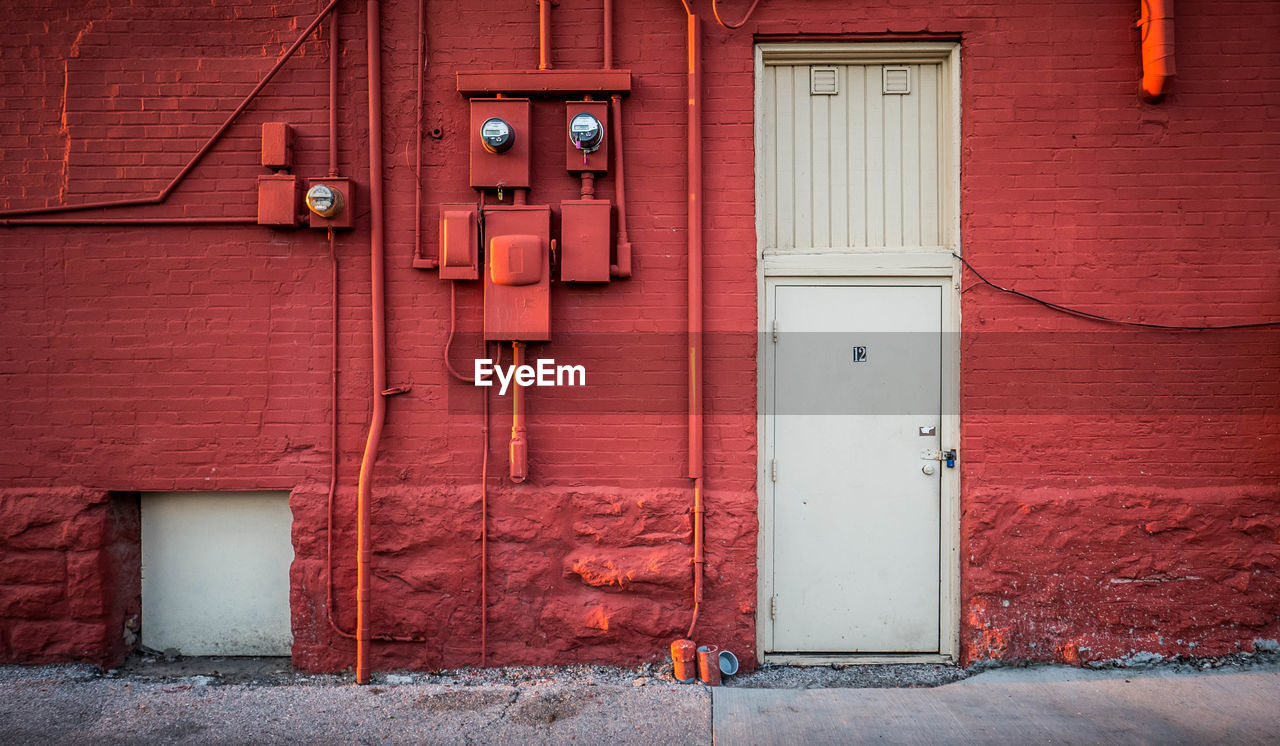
x=519, y=454
x=709, y=664
x=682, y=658
x=1158, y=68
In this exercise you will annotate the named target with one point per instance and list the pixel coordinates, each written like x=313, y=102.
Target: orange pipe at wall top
x=1158, y=69
x=544, y=34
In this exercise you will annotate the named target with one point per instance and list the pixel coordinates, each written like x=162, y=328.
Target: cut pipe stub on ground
x=709, y=664
x=682, y=659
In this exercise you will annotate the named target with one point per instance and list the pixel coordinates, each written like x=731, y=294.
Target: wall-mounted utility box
x=517, y=281
x=277, y=145
x=459, y=243
x=278, y=200
x=346, y=217
x=496, y=161
x=576, y=157
x=584, y=240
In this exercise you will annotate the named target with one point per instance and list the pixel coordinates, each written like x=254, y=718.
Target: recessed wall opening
x=215, y=573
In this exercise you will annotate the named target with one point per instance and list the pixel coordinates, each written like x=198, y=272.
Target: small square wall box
x=501, y=143
x=584, y=240
x=277, y=145
x=517, y=278
x=346, y=217
x=586, y=126
x=278, y=200
x=459, y=243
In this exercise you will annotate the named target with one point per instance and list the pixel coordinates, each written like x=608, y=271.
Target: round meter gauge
x=324, y=201
x=586, y=132
x=497, y=135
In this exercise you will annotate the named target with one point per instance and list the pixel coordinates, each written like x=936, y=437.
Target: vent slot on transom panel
x=897, y=80
x=824, y=81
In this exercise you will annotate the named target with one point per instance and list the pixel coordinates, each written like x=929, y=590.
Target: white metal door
x=856, y=399
x=215, y=572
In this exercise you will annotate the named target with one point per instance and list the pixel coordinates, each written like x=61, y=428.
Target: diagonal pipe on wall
x=204, y=149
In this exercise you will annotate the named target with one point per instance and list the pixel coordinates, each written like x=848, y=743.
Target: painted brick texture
x=1120, y=489
x=69, y=575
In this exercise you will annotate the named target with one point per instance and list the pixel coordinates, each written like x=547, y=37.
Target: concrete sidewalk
x=1017, y=705
x=66, y=705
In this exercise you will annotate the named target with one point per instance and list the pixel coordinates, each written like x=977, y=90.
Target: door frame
x=838, y=267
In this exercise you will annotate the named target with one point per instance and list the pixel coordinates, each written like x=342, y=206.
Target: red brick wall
x=1124, y=498
x=70, y=575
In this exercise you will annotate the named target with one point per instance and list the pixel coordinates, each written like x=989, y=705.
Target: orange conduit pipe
x=694, y=82
x=379, y=340
x=333, y=360
x=204, y=149
x=1156, y=24
x=519, y=445
x=544, y=34
x=484, y=521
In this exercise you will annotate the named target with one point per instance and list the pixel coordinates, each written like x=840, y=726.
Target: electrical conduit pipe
x=379, y=340
x=694, y=82
x=544, y=34
x=519, y=445
x=1156, y=24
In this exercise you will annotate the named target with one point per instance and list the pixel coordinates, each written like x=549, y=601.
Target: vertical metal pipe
x=379, y=342
x=695, y=305
x=484, y=524
x=623, y=267
x=608, y=34
x=544, y=34
x=333, y=95
x=418, y=259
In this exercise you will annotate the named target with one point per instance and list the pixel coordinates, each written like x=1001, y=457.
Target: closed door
x=855, y=402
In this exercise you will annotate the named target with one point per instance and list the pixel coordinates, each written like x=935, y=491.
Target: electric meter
x=586, y=132
x=497, y=135
x=324, y=201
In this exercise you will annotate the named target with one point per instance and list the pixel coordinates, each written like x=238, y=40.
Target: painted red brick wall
x=69, y=575
x=1120, y=488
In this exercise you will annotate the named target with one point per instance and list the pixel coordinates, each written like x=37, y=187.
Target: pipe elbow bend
x=1158, y=69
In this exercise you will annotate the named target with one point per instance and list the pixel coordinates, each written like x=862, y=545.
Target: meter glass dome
x=496, y=135
x=324, y=201
x=586, y=132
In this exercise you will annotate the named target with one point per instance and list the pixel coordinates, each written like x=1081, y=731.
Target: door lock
x=948, y=456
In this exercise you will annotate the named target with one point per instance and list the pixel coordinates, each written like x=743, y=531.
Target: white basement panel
x=215, y=572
